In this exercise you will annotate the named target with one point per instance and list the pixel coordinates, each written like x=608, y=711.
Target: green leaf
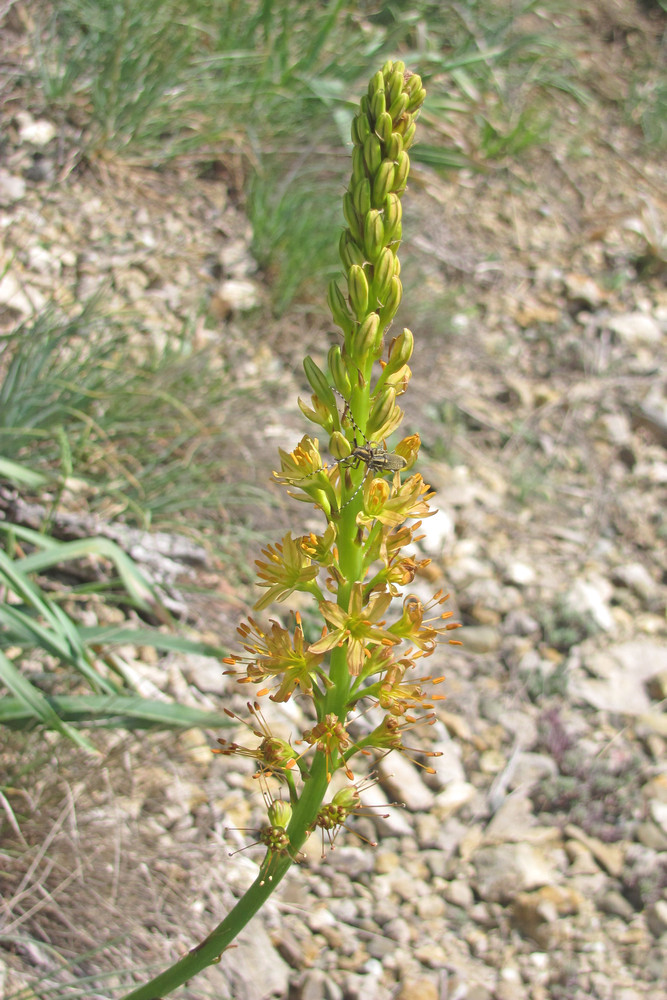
x=21, y=475
x=35, y=705
x=117, y=711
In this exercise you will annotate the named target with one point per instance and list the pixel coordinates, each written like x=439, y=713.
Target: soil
x=533, y=864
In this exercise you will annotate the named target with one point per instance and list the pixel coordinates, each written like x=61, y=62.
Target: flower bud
x=319, y=382
x=408, y=449
x=381, y=413
x=416, y=100
x=383, y=182
x=394, y=86
x=361, y=196
x=393, y=213
x=376, y=83
x=320, y=414
x=349, y=251
x=360, y=129
x=280, y=813
x=401, y=171
x=400, y=350
x=403, y=124
x=339, y=446
x=383, y=272
x=393, y=301
x=351, y=217
x=357, y=286
x=383, y=127
x=398, y=106
x=358, y=165
x=413, y=84
x=394, y=146
x=372, y=153
x=339, y=307
x=373, y=238
x=364, y=341
x=339, y=375
x=408, y=135
x=378, y=105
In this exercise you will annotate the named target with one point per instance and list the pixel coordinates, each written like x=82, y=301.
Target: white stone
x=41, y=261
x=636, y=328
x=659, y=813
x=403, y=782
x=637, y=578
x=240, y=296
x=12, y=188
x=37, y=131
x=24, y=300
x=389, y=821
x=520, y=573
x=455, y=795
x=592, y=596
x=620, y=674
x=448, y=767
x=437, y=531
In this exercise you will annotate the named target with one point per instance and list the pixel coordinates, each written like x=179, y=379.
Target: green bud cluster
x=365, y=304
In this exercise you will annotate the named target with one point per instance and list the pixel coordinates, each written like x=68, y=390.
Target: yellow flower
x=397, y=695
x=388, y=736
x=359, y=627
x=288, y=568
x=412, y=628
x=275, y=655
x=303, y=468
x=392, y=505
x=321, y=548
x=302, y=463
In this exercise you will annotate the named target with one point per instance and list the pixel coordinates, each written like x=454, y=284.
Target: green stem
x=272, y=871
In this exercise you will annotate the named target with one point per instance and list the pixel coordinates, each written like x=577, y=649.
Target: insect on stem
x=374, y=457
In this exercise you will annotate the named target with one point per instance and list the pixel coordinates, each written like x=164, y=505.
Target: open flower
x=276, y=655
x=359, y=627
x=392, y=505
x=288, y=568
x=320, y=548
x=397, y=694
x=422, y=633
x=302, y=463
x=303, y=468
x=388, y=736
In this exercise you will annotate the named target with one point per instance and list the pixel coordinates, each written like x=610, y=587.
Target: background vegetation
x=96, y=422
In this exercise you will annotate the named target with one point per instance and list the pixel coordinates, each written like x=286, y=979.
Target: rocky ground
x=533, y=862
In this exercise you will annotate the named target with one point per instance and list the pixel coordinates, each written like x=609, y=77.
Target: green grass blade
x=134, y=582
x=36, y=705
x=20, y=475
x=119, y=711
x=114, y=635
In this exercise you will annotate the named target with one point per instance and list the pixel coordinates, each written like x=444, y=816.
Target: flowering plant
x=354, y=570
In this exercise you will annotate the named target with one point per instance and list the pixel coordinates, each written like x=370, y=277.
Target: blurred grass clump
x=155, y=82
x=137, y=434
